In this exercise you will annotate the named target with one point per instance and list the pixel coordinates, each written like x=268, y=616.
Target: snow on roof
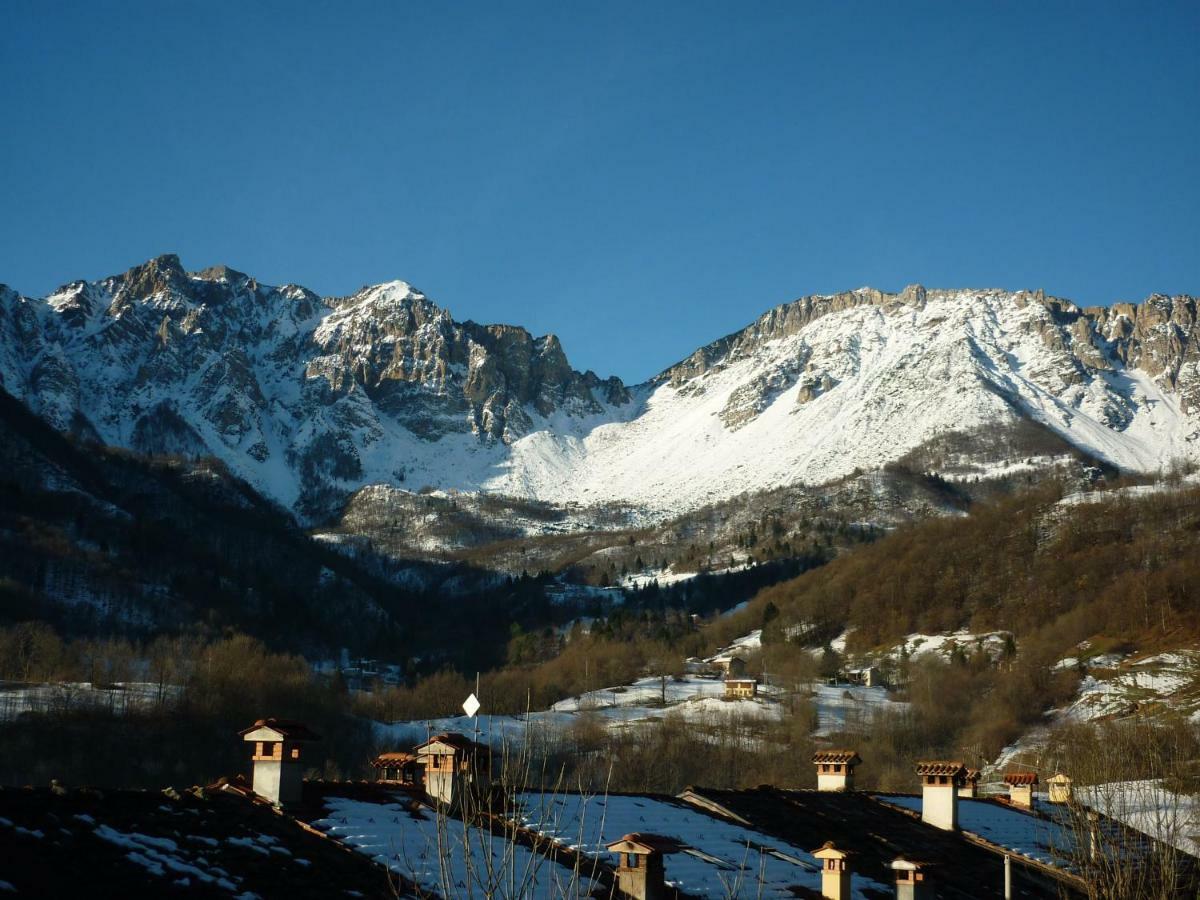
x=716, y=855
x=175, y=843
x=1035, y=837
x=447, y=857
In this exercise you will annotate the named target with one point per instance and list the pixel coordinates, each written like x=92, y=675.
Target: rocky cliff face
x=310, y=398
x=290, y=388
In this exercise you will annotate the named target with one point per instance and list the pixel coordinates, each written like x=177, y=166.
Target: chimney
x=1020, y=788
x=912, y=879
x=835, y=769
x=278, y=760
x=835, y=872
x=640, y=871
x=940, y=781
x=1060, y=788
x=970, y=785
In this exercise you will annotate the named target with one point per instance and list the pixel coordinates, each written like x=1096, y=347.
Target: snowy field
x=1166, y=678
x=850, y=707
x=1115, y=686
x=915, y=645
x=17, y=698
x=695, y=698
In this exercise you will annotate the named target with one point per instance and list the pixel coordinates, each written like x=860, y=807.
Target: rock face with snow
x=311, y=398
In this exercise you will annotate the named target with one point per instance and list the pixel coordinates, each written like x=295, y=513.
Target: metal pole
x=1007, y=877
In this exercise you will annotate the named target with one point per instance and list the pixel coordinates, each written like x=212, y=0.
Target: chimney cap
x=901, y=864
x=829, y=851
x=287, y=729
x=941, y=767
x=454, y=740
x=847, y=757
x=1014, y=779
x=641, y=842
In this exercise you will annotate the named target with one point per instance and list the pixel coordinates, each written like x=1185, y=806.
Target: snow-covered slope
x=310, y=398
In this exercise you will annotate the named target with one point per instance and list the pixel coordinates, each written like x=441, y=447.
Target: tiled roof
x=455, y=740
x=394, y=758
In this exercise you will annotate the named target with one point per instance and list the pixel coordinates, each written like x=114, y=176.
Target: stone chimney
x=912, y=879
x=1060, y=788
x=970, y=785
x=641, y=874
x=835, y=769
x=1020, y=788
x=278, y=758
x=940, y=781
x=835, y=872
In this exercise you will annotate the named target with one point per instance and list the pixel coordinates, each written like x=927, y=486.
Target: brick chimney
x=278, y=758
x=835, y=872
x=940, y=781
x=641, y=874
x=1020, y=788
x=835, y=769
x=912, y=879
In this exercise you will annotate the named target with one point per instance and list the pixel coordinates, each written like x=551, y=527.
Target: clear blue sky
x=637, y=177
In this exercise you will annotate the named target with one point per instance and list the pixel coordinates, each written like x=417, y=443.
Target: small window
x=295, y=753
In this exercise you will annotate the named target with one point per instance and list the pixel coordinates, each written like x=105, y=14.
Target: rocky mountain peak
x=295, y=391
x=310, y=398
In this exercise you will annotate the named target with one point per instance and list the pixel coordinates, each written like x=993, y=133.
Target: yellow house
x=741, y=688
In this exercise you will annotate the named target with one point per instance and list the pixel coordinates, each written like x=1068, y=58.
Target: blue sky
x=639, y=178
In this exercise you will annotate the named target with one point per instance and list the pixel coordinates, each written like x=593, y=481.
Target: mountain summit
x=310, y=398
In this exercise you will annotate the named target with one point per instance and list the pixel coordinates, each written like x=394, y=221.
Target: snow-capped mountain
x=310, y=398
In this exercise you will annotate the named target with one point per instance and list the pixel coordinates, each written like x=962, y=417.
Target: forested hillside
x=1122, y=563
x=97, y=541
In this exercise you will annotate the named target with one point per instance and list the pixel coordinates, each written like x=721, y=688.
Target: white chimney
x=940, y=781
x=835, y=769
x=1020, y=788
x=278, y=759
x=912, y=879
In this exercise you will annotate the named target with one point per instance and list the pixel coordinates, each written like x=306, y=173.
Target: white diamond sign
x=471, y=706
